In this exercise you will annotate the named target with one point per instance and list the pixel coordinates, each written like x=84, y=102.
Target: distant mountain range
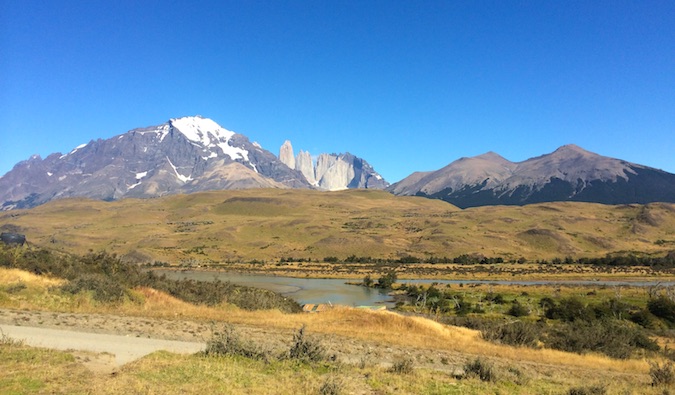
x=570, y=173
x=183, y=155
x=191, y=154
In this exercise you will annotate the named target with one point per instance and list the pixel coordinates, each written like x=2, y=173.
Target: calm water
x=337, y=291
x=303, y=290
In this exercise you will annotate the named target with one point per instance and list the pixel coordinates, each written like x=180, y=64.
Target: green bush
x=518, y=310
x=663, y=308
x=570, y=310
x=104, y=288
x=387, y=279
x=610, y=337
x=515, y=334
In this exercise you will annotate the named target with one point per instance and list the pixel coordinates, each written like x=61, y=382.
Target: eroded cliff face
x=332, y=171
x=304, y=164
x=286, y=155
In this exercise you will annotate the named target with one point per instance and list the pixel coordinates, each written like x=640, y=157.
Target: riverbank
x=454, y=272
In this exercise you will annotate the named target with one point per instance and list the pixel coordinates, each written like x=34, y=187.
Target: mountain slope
x=181, y=156
x=568, y=174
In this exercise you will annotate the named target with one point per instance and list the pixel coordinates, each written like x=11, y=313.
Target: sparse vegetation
x=306, y=349
x=662, y=374
x=404, y=365
x=229, y=342
x=588, y=390
x=481, y=369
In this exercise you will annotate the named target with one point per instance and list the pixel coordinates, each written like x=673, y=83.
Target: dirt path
x=124, y=348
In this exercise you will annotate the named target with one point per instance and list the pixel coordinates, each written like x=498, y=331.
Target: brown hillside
x=271, y=224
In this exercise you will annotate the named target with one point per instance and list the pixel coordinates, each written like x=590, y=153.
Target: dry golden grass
x=267, y=224
x=11, y=276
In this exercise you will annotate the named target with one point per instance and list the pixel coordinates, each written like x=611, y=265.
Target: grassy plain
x=227, y=227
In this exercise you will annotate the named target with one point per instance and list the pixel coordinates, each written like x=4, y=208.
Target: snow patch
x=62, y=178
x=180, y=176
x=163, y=131
x=79, y=147
x=141, y=175
x=50, y=173
x=130, y=187
x=211, y=155
x=209, y=134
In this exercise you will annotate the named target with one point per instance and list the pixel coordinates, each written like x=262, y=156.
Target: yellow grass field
x=269, y=224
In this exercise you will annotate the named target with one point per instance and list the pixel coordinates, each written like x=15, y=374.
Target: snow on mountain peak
x=208, y=134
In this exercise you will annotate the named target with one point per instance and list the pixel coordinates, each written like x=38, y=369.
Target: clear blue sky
x=407, y=85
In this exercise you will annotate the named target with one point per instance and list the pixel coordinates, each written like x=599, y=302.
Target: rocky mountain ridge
x=570, y=173
x=332, y=171
x=183, y=155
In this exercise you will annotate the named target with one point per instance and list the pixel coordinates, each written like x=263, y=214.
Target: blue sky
x=406, y=85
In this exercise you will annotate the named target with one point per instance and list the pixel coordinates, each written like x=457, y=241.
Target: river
x=337, y=291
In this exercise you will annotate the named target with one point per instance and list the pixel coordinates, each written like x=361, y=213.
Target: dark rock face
x=13, y=238
x=568, y=174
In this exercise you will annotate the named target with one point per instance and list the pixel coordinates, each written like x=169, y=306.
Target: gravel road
x=124, y=348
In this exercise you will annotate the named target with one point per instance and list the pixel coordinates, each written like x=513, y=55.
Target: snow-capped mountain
x=569, y=173
x=333, y=171
x=181, y=156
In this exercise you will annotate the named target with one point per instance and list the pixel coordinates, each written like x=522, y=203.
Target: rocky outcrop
x=304, y=164
x=286, y=155
x=334, y=171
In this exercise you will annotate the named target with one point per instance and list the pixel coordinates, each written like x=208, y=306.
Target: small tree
x=387, y=279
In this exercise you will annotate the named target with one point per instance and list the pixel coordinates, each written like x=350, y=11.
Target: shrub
x=332, y=386
x=663, y=308
x=228, y=342
x=609, y=337
x=306, y=349
x=104, y=289
x=518, y=310
x=403, y=366
x=592, y=390
x=645, y=319
x=481, y=369
x=515, y=334
x=662, y=375
x=387, y=279
x=570, y=310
